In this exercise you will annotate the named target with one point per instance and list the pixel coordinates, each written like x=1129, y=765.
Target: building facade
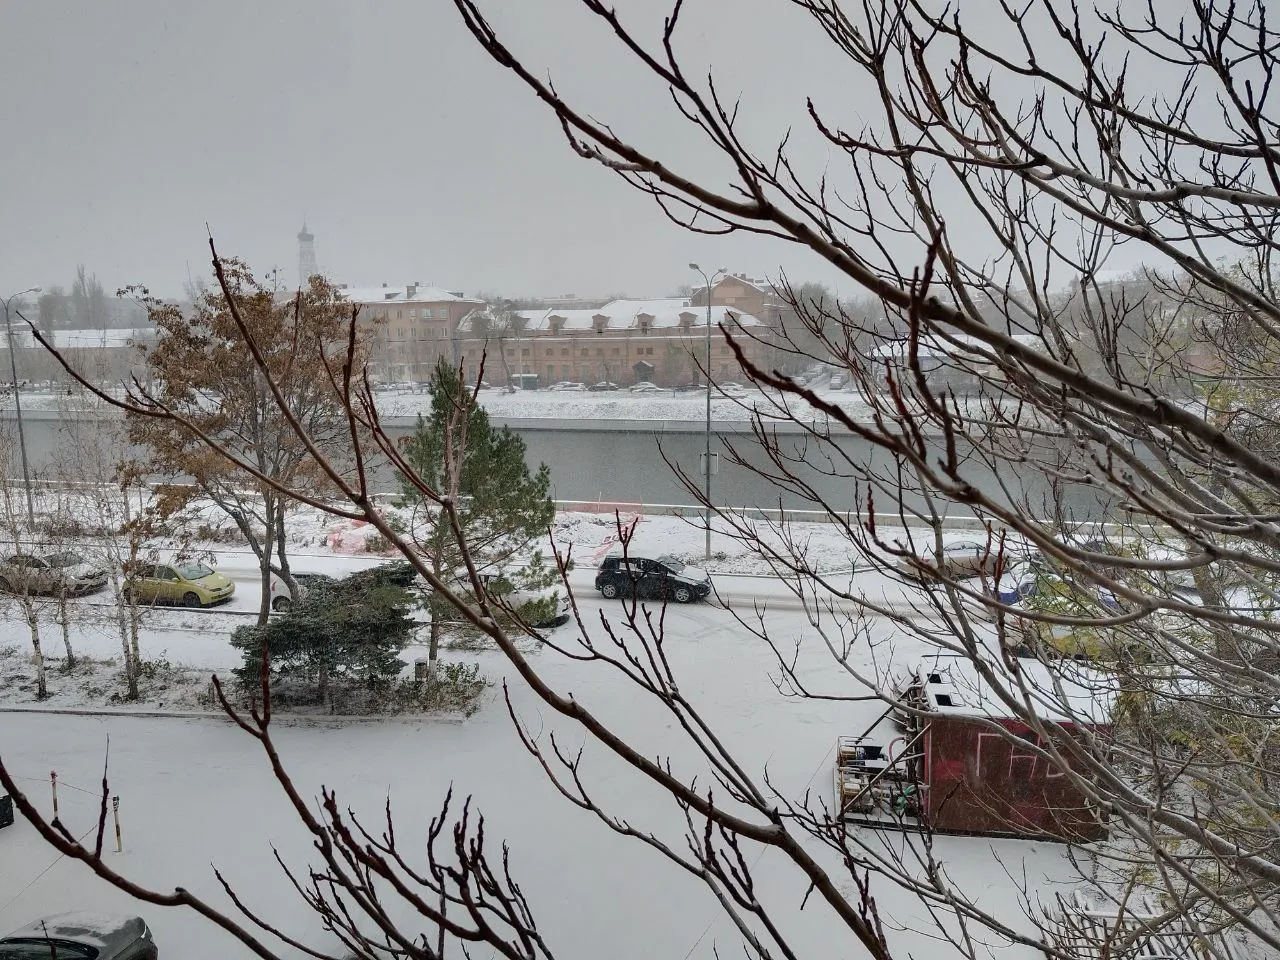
x=624, y=342
x=413, y=327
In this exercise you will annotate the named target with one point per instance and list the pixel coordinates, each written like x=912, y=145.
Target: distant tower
x=306, y=256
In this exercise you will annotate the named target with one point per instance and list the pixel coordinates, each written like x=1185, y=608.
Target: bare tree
x=1012, y=384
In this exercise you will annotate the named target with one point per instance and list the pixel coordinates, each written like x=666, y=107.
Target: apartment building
x=662, y=341
x=414, y=326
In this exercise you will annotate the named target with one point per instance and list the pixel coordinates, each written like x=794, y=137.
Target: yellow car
x=188, y=584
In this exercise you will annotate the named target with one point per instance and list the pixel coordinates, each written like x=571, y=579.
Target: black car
x=665, y=578
x=80, y=936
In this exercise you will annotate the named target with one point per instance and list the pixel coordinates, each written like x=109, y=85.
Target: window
x=428, y=313
x=524, y=353
x=399, y=314
x=564, y=351
x=600, y=351
x=614, y=352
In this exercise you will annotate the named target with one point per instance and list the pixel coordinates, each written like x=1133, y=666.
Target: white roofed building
x=414, y=326
x=662, y=341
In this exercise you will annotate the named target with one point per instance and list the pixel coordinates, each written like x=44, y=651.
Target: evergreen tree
x=503, y=507
x=349, y=632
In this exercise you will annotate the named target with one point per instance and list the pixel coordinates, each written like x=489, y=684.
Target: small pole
x=53, y=781
x=115, y=805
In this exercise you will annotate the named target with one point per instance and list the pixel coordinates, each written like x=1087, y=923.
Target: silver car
x=54, y=574
x=81, y=936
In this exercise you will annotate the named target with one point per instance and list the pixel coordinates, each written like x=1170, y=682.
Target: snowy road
x=196, y=792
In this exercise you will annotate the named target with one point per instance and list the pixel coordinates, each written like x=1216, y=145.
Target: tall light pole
x=706, y=463
x=17, y=402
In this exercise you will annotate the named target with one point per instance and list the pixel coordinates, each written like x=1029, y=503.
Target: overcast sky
x=130, y=126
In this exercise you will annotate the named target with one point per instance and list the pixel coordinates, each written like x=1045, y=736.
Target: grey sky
x=129, y=126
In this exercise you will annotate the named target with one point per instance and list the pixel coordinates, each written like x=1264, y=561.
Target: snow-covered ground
x=536, y=404
x=196, y=794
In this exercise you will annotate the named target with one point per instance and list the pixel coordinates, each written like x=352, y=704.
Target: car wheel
x=683, y=594
x=281, y=604
x=609, y=589
x=191, y=600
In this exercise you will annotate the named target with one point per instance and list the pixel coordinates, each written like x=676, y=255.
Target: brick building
x=662, y=341
x=416, y=325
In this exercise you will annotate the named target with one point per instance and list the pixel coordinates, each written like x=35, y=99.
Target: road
x=740, y=592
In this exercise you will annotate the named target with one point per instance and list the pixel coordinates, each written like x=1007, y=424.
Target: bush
x=341, y=647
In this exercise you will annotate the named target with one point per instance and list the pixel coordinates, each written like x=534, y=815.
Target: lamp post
x=706, y=464
x=17, y=403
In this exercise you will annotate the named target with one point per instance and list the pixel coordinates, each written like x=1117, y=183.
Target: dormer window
x=557, y=325
x=644, y=321
x=600, y=322
x=686, y=319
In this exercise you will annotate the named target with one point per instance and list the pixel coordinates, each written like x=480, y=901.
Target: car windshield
x=64, y=560
x=45, y=950
x=671, y=563
x=194, y=571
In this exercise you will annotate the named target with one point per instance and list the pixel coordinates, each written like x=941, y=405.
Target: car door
x=654, y=579
x=41, y=577
x=168, y=585
x=631, y=573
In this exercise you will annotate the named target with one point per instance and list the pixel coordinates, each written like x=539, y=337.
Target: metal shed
x=950, y=756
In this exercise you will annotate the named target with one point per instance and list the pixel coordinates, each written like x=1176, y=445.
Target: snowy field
x=540, y=404
x=195, y=793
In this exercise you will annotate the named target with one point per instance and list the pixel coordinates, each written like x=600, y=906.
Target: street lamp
x=706, y=465
x=17, y=403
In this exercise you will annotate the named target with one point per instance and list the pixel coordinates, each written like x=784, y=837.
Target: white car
x=56, y=573
x=517, y=600
x=644, y=386
x=280, y=598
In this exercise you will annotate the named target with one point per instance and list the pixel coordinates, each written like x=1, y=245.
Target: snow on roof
x=1074, y=693
x=662, y=313
x=959, y=346
x=74, y=339
x=404, y=293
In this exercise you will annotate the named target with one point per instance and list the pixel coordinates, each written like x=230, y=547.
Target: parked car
x=281, y=599
x=731, y=389
x=967, y=558
x=552, y=599
x=644, y=386
x=55, y=573
x=189, y=584
x=81, y=936
x=1039, y=588
x=602, y=386
x=645, y=578
x=568, y=386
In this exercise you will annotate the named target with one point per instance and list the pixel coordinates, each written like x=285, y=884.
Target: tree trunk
x=264, y=561
x=42, y=689
x=283, y=558
x=64, y=621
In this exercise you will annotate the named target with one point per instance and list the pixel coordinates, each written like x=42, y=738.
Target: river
x=623, y=461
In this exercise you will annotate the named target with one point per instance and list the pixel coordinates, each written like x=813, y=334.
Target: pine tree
x=349, y=632
x=503, y=507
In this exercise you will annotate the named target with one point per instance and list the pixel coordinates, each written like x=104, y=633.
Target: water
x=636, y=462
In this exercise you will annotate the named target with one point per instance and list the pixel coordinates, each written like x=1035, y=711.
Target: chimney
x=384, y=284
x=410, y=290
